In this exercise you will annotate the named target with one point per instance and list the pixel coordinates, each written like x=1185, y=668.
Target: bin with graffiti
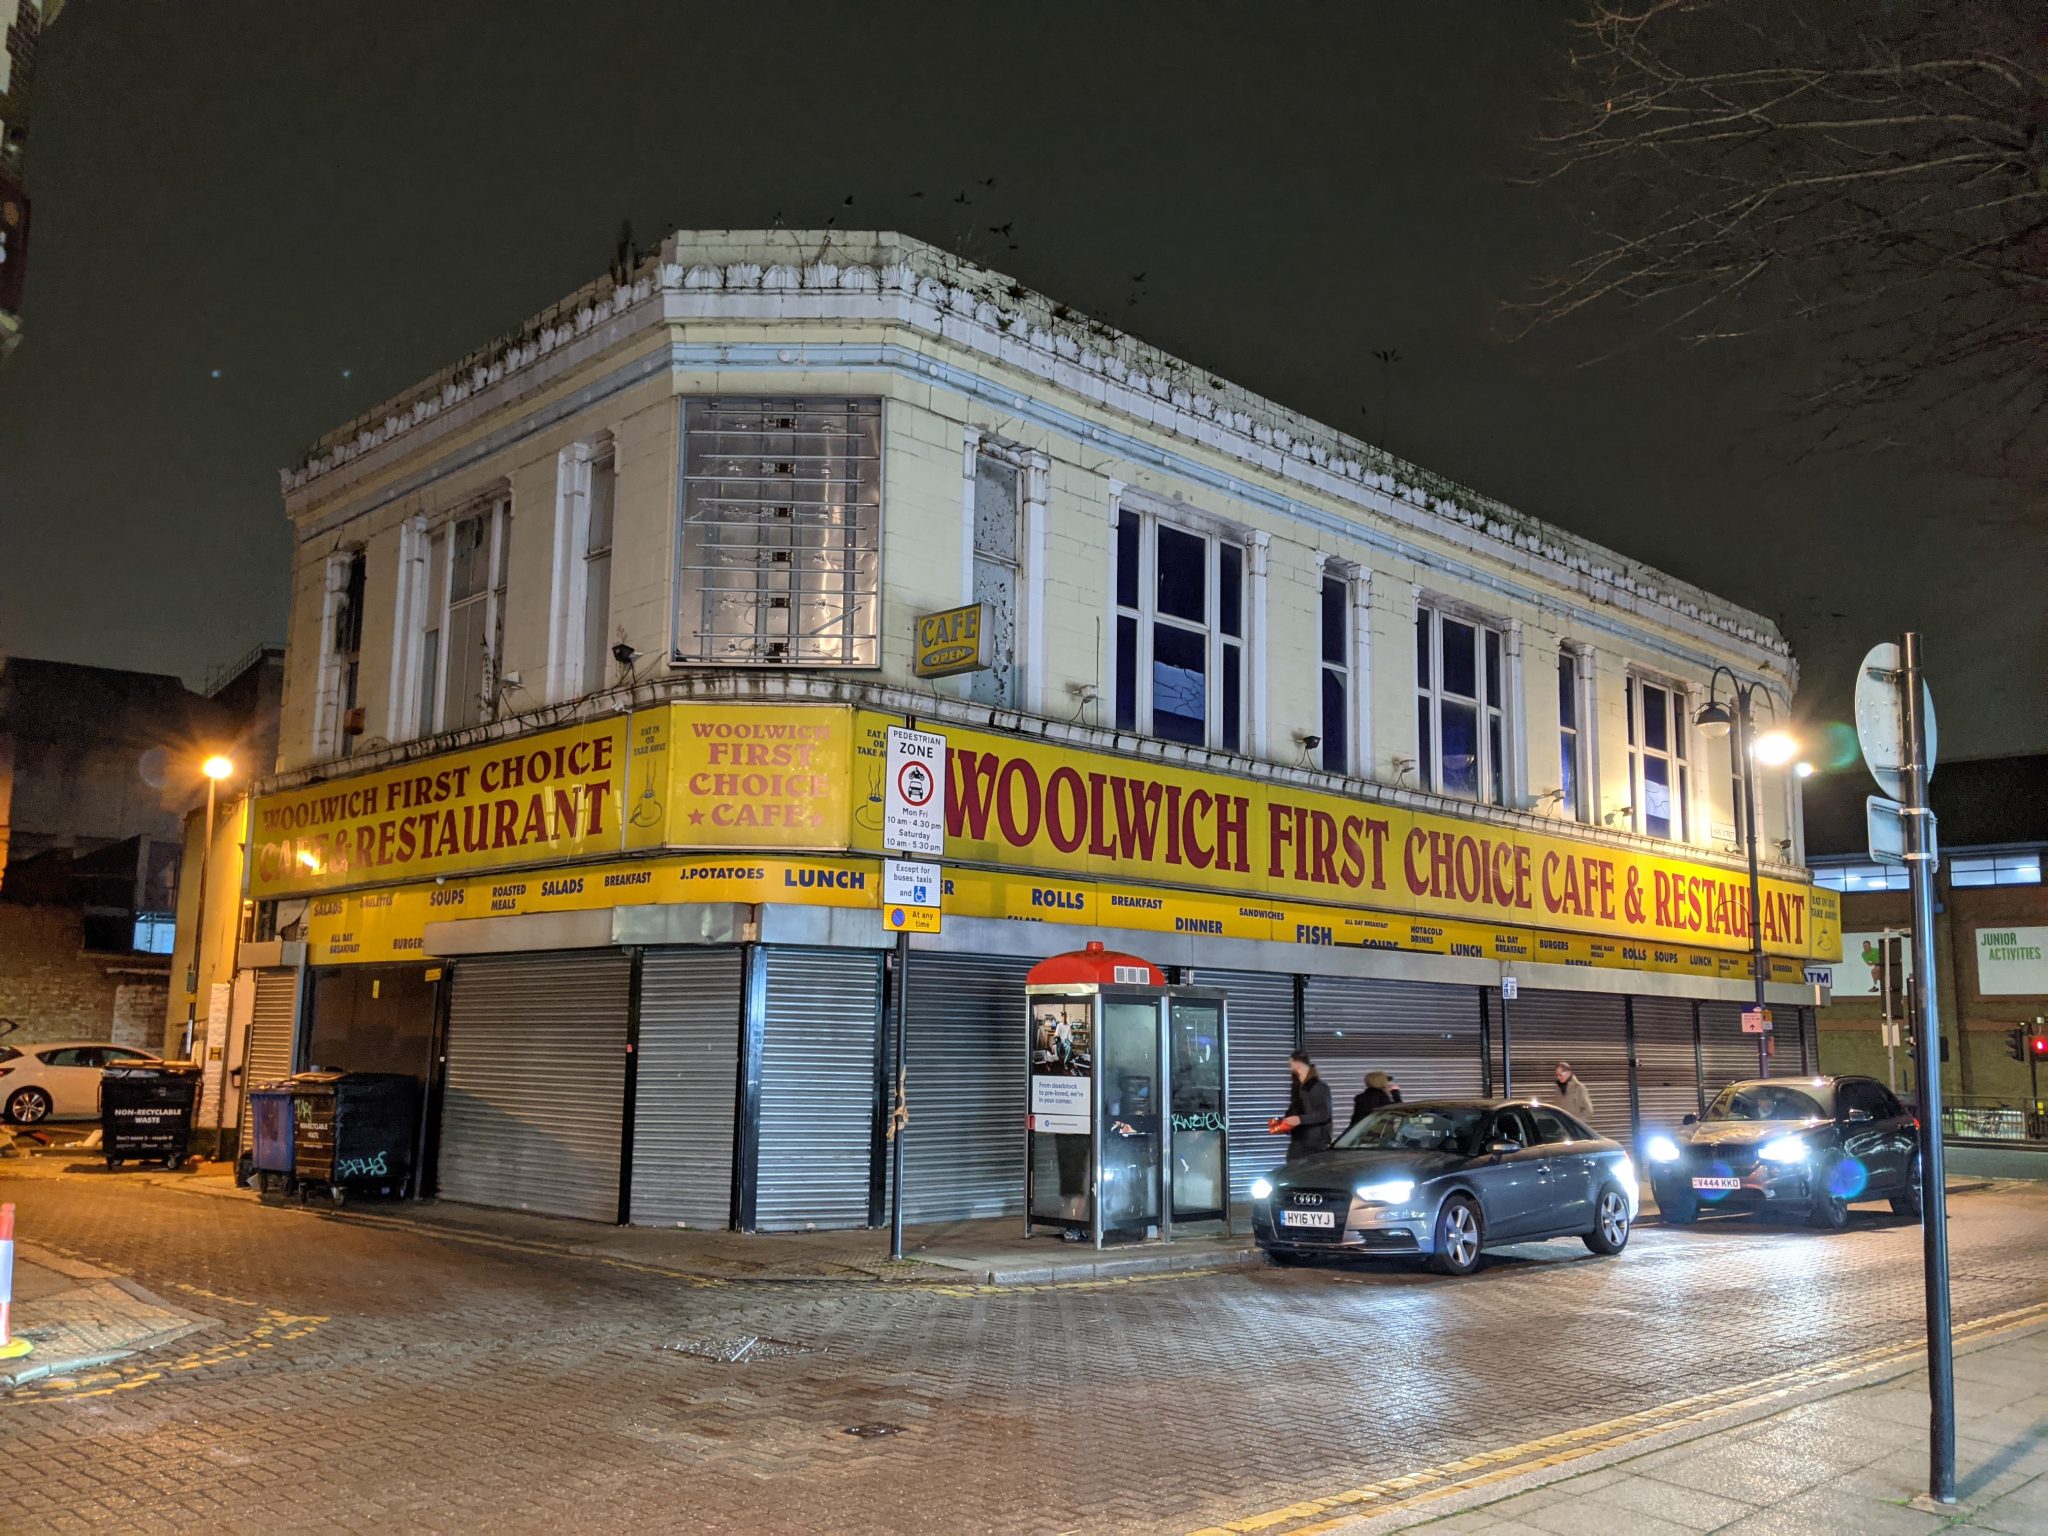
x=354, y=1133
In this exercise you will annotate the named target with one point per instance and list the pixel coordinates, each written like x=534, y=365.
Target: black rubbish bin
x=354, y=1132
x=146, y=1112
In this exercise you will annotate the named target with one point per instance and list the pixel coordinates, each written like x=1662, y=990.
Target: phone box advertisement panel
x=1012, y=802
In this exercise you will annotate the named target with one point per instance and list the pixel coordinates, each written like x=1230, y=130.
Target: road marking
x=275, y=1328
x=1310, y=1516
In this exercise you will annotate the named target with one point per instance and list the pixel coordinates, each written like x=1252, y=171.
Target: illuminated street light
x=1804, y=770
x=217, y=767
x=1774, y=749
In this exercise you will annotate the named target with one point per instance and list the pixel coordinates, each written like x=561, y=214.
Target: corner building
x=595, y=637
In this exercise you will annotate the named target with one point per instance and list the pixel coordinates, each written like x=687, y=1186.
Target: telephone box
x=1125, y=1124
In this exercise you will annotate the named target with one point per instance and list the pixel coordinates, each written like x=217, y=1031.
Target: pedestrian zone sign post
x=913, y=822
x=914, y=793
x=911, y=895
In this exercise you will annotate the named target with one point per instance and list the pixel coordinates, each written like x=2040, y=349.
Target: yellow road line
x=276, y=1327
x=1487, y=1468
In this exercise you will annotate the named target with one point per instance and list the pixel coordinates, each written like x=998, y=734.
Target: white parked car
x=57, y=1079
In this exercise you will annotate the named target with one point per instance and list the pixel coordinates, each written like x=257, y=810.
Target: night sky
x=326, y=202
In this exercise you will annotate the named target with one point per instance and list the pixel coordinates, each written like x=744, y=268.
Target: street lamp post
x=1716, y=719
x=215, y=768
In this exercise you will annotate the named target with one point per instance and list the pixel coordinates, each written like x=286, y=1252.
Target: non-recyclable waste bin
x=354, y=1132
x=146, y=1112
x=268, y=1162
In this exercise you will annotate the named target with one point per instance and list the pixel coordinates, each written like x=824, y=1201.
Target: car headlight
x=1262, y=1189
x=1662, y=1149
x=1786, y=1149
x=1393, y=1192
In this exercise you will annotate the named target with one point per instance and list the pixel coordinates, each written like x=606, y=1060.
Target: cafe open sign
x=950, y=642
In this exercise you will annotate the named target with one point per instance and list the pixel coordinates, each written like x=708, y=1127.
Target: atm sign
x=950, y=642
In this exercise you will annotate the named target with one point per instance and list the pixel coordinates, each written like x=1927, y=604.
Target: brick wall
x=55, y=990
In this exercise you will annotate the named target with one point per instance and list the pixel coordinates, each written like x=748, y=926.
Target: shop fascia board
x=708, y=922
x=1035, y=941
x=271, y=954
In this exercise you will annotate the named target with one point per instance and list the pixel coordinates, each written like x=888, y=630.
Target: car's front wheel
x=1829, y=1211
x=1458, y=1237
x=1610, y=1222
x=28, y=1106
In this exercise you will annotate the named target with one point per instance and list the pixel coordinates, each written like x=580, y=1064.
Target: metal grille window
x=1180, y=631
x=782, y=532
x=1460, y=722
x=1571, y=738
x=998, y=500
x=597, y=573
x=475, y=627
x=1336, y=674
x=1660, y=774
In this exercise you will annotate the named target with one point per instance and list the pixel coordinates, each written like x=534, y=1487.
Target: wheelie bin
x=146, y=1112
x=354, y=1133
x=268, y=1162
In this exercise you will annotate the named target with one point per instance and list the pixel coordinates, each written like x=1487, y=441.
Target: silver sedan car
x=1445, y=1179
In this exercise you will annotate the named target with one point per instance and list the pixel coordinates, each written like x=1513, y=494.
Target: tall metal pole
x=899, y=1121
x=1507, y=1059
x=198, y=931
x=1941, y=1385
x=1745, y=775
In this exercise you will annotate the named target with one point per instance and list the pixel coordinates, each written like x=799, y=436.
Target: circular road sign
x=1881, y=719
x=916, y=783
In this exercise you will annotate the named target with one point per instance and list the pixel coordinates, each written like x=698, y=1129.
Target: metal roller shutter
x=820, y=1030
x=534, y=1094
x=1587, y=1029
x=1260, y=1016
x=963, y=1156
x=1667, y=1076
x=273, y=1027
x=684, y=1087
x=1728, y=1054
x=1425, y=1035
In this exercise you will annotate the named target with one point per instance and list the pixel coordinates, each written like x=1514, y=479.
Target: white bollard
x=11, y=1348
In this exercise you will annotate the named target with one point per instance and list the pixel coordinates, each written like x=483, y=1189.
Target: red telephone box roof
x=1094, y=967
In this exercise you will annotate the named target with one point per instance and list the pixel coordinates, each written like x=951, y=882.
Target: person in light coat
x=1571, y=1096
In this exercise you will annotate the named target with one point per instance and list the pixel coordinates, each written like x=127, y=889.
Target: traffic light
x=2037, y=1048
x=2017, y=1045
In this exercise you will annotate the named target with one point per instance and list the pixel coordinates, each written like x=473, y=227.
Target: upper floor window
x=1996, y=869
x=780, y=555
x=998, y=524
x=1180, y=633
x=1460, y=720
x=1660, y=769
x=1337, y=672
x=347, y=577
x=1573, y=780
x=462, y=627
x=1861, y=877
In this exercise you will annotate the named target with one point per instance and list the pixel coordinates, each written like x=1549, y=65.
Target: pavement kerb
x=1456, y=1488
x=46, y=1362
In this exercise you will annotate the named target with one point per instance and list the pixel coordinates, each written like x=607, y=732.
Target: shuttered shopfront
x=964, y=1154
x=534, y=1092
x=685, y=1080
x=1587, y=1029
x=819, y=1075
x=273, y=1027
x=1261, y=1014
x=1425, y=1035
x=1729, y=1055
x=1667, y=1071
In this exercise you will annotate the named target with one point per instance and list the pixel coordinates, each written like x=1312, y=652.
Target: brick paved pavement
x=376, y=1376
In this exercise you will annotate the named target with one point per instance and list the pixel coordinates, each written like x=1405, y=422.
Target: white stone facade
x=963, y=361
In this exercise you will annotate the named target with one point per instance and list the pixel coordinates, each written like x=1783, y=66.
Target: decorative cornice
x=894, y=279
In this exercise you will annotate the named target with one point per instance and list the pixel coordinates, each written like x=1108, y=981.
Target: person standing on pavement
x=1572, y=1096
x=1307, y=1122
x=1380, y=1091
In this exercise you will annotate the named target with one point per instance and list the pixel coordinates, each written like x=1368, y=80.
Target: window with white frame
x=780, y=558
x=998, y=528
x=469, y=639
x=1460, y=707
x=1574, y=782
x=601, y=487
x=347, y=577
x=432, y=608
x=1338, y=670
x=1180, y=633
x=1659, y=759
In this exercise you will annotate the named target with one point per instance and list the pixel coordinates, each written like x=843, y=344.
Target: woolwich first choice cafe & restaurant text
x=598, y=637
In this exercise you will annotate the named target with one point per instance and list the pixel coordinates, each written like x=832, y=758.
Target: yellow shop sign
x=950, y=641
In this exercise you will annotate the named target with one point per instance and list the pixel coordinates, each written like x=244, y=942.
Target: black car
x=1807, y=1146
x=1442, y=1179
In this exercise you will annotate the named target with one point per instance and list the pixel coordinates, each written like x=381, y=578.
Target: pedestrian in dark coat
x=1307, y=1122
x=1380, y=1091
